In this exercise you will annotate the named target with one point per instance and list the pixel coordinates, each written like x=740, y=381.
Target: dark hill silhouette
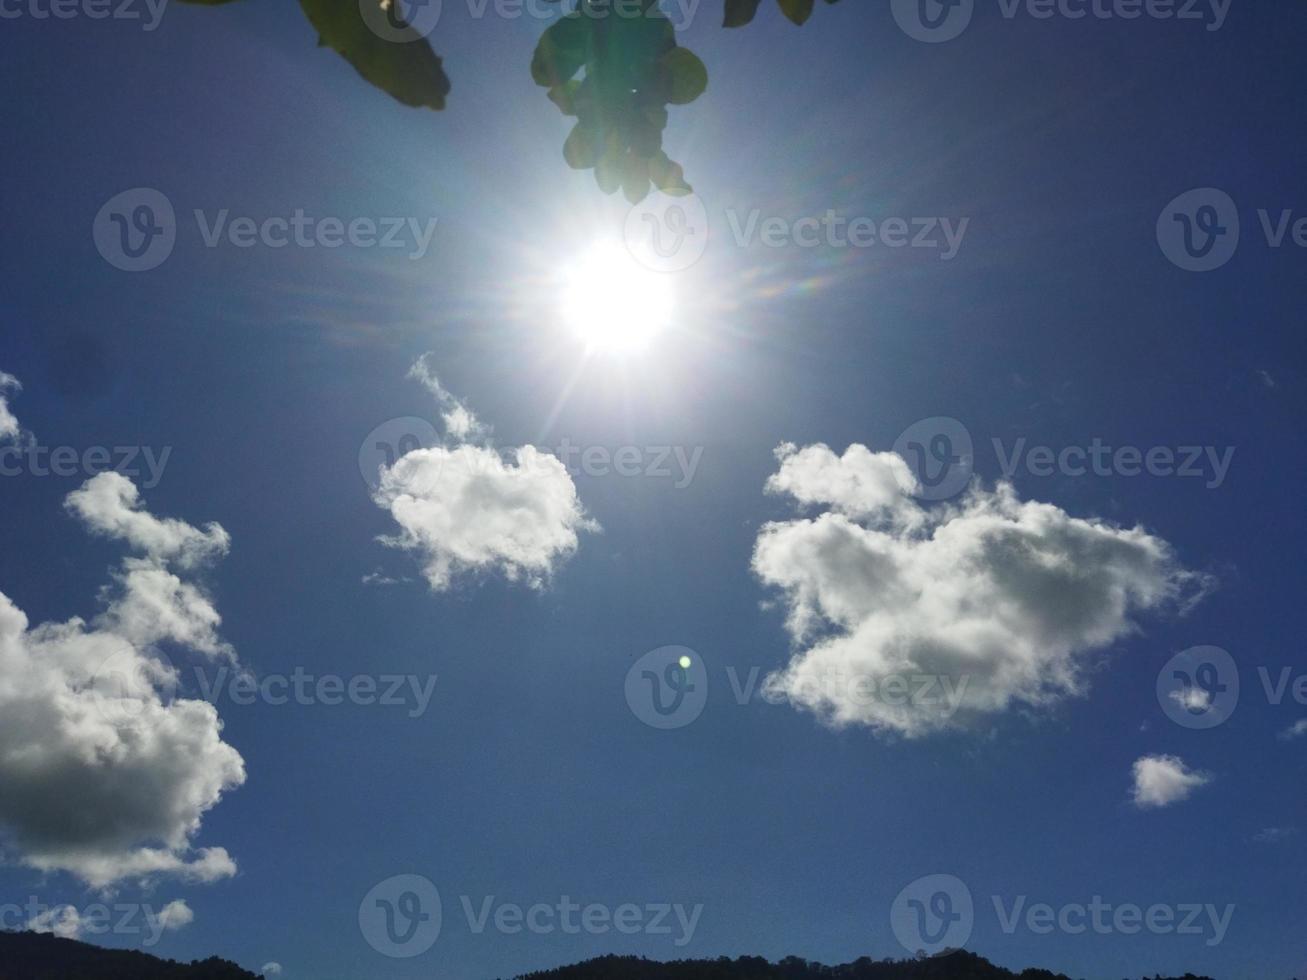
x=32, y=956
x=959, y=965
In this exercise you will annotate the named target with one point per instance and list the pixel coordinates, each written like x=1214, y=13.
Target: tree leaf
x=561, y=51
x=564, y=96
x=581, y=149
x=687, y=78
x=740, y=12
x=635, y=178
x=406, y=69
x=668, y=176
x=797, y=10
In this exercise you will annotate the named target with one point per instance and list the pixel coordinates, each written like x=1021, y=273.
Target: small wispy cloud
x=1193, y=697
x=1274, y=835
x=1297, y=730
x=460, y=422
x=381, y=579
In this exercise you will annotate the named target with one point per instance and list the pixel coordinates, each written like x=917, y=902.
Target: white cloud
x=155, y=605
x=913, y=620
x=468, y=509
x=271, y=969
x=858, y=484
x=1297, y=730
x=459, y=421
x=175, y=915
x=64, y=921
x=110, y=504
x=381, y=579
x=67, y=922
x=1193, y=698
x=1161, y=780
x=103, y=773
x=9, y=428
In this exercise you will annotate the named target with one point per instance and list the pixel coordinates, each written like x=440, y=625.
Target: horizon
x=410, y=549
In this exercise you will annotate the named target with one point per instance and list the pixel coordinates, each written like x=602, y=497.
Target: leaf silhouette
x=613, y=65
x=741, y=12
x=633, y=68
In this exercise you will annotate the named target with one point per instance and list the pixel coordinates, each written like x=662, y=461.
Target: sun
x=613, y=303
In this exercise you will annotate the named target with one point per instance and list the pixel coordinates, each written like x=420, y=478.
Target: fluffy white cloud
x=9, y=427
x=64, y=921
x=913, y=620
x=859, y=484
x=1161, y=780
x=467, y=509
x=271, y=969
x=110, y=505
x=175, y=915
x=103, y=773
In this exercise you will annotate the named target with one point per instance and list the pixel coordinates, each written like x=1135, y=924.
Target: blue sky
x=529, y=776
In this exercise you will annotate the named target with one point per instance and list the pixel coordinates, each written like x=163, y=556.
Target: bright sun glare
x=615, y=304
